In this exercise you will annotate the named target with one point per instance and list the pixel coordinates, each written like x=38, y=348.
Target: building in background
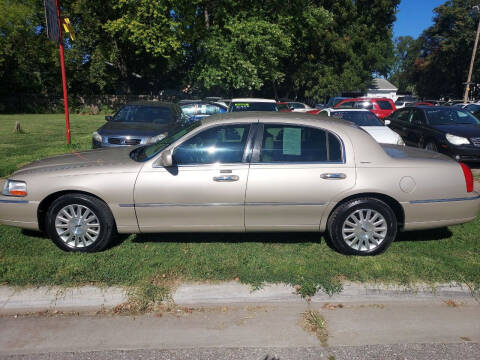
x=380, y=87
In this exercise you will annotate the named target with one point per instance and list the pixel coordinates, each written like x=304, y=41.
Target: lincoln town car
x=244, y=172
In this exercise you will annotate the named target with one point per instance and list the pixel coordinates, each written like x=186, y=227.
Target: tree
x=445, y=50
x=406, y=53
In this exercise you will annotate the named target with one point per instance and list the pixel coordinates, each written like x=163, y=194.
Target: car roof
x=253, y=100
x=367, y=99
x=427, y=107
x=151, y=103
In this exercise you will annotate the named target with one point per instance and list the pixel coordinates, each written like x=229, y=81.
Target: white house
x=380, y=87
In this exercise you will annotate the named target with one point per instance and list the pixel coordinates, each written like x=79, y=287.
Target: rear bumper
x=435, y=213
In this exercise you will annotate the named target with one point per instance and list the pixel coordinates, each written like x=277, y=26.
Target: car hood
x=464, y=130
x=116, y=159
x=382, y=134
x=140, y=129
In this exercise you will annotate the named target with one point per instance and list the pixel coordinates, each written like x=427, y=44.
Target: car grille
x=475, y=141
x=123, y=141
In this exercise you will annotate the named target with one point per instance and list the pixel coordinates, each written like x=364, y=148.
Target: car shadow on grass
x=264, y=237
x=425, y=235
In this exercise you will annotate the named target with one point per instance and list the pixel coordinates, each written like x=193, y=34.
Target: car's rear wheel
x=431, y=146
x=365, y=226
x=81, y=223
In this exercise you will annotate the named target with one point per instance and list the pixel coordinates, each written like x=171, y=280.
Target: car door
x=400, y=123
x=295, y=172
x=204, y=190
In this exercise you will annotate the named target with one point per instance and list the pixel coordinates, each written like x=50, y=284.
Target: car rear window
x=359, y=118
x=385, y=105
x=146, y=114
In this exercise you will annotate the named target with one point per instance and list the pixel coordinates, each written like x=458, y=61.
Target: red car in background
x=381, y=107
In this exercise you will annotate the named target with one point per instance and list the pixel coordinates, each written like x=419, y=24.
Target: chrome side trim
x=282, y=204
x=14, y=201
x=221, y=204
x=444, y=200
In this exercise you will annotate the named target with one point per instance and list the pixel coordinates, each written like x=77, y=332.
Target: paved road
x=435, y=329
x=371, y=352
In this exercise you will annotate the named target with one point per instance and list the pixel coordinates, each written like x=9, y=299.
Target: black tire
x=432, y=146
x=106, y=228
x=344, y=211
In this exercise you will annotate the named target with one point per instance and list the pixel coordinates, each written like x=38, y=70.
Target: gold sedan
x=244, y=172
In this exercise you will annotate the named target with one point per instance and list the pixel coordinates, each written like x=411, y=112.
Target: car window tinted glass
x=346, y=105
x=284, y=143
x=147, y=152
x=417, y=117
x=147, y=114
x=384, y=105
x=282, y=107
x=363, y=105
x=450, y=117
x=402, y=115
x=222, y=144
x=253, y=106
x=297, y=105
x=472, y=107
x=360, y=118
x=209, y=109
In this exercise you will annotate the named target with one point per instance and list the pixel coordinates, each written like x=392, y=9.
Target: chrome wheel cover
x=77, y=226
x=364, y=229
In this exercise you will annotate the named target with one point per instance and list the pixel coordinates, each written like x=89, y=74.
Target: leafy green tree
x=406, y=53
x=445, y=51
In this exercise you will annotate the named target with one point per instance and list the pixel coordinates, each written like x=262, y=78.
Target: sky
x=414, y=16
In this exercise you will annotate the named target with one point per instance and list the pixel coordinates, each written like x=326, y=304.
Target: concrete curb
x=92, y=299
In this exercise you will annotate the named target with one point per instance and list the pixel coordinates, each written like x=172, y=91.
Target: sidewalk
x=92, y=299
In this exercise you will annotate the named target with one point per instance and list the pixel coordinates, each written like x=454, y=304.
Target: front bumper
x=18, y=212
x=461, y=153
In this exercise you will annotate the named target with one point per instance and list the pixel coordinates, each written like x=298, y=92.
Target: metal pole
x=467, y=87
x=64, y=75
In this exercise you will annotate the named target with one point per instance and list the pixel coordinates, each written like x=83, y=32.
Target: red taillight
x=468, y=177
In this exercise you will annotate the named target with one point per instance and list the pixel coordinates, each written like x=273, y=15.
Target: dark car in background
x=199, y=109
x=138, y=123
x=450, y=130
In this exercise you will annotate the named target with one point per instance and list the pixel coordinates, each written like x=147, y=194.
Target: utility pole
x=476, y=8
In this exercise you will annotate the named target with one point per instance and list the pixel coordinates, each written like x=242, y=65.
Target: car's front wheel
x=81, y=223
x=365, y=226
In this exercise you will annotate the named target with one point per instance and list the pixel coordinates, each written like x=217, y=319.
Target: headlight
x=457, y=140
x=400, y=141
x=96, y=136
x=154, y=139
x=15, y=188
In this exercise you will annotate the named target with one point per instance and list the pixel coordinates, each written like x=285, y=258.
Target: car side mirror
x=108, y=117
x=166, y=158
x=387, y=122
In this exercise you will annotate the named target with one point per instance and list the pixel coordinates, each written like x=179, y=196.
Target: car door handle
x=333, y=176
x=226, y=178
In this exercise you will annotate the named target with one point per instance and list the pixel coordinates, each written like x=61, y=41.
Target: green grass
x=28, y=259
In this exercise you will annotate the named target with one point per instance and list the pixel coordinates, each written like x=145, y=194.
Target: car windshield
x=472, y=107
x=146, y=114
x=253, y=106
x=146, y=152
x=360, y=118
x=450, y=117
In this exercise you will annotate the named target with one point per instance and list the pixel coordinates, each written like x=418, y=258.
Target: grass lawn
x=27, y=258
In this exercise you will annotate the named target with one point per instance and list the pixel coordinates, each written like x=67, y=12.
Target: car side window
x=363, y=105
x=417, y=117
x=288, y=143
x=189, y=109
x=402, y=115
x=346, y=105
x=219, y=144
